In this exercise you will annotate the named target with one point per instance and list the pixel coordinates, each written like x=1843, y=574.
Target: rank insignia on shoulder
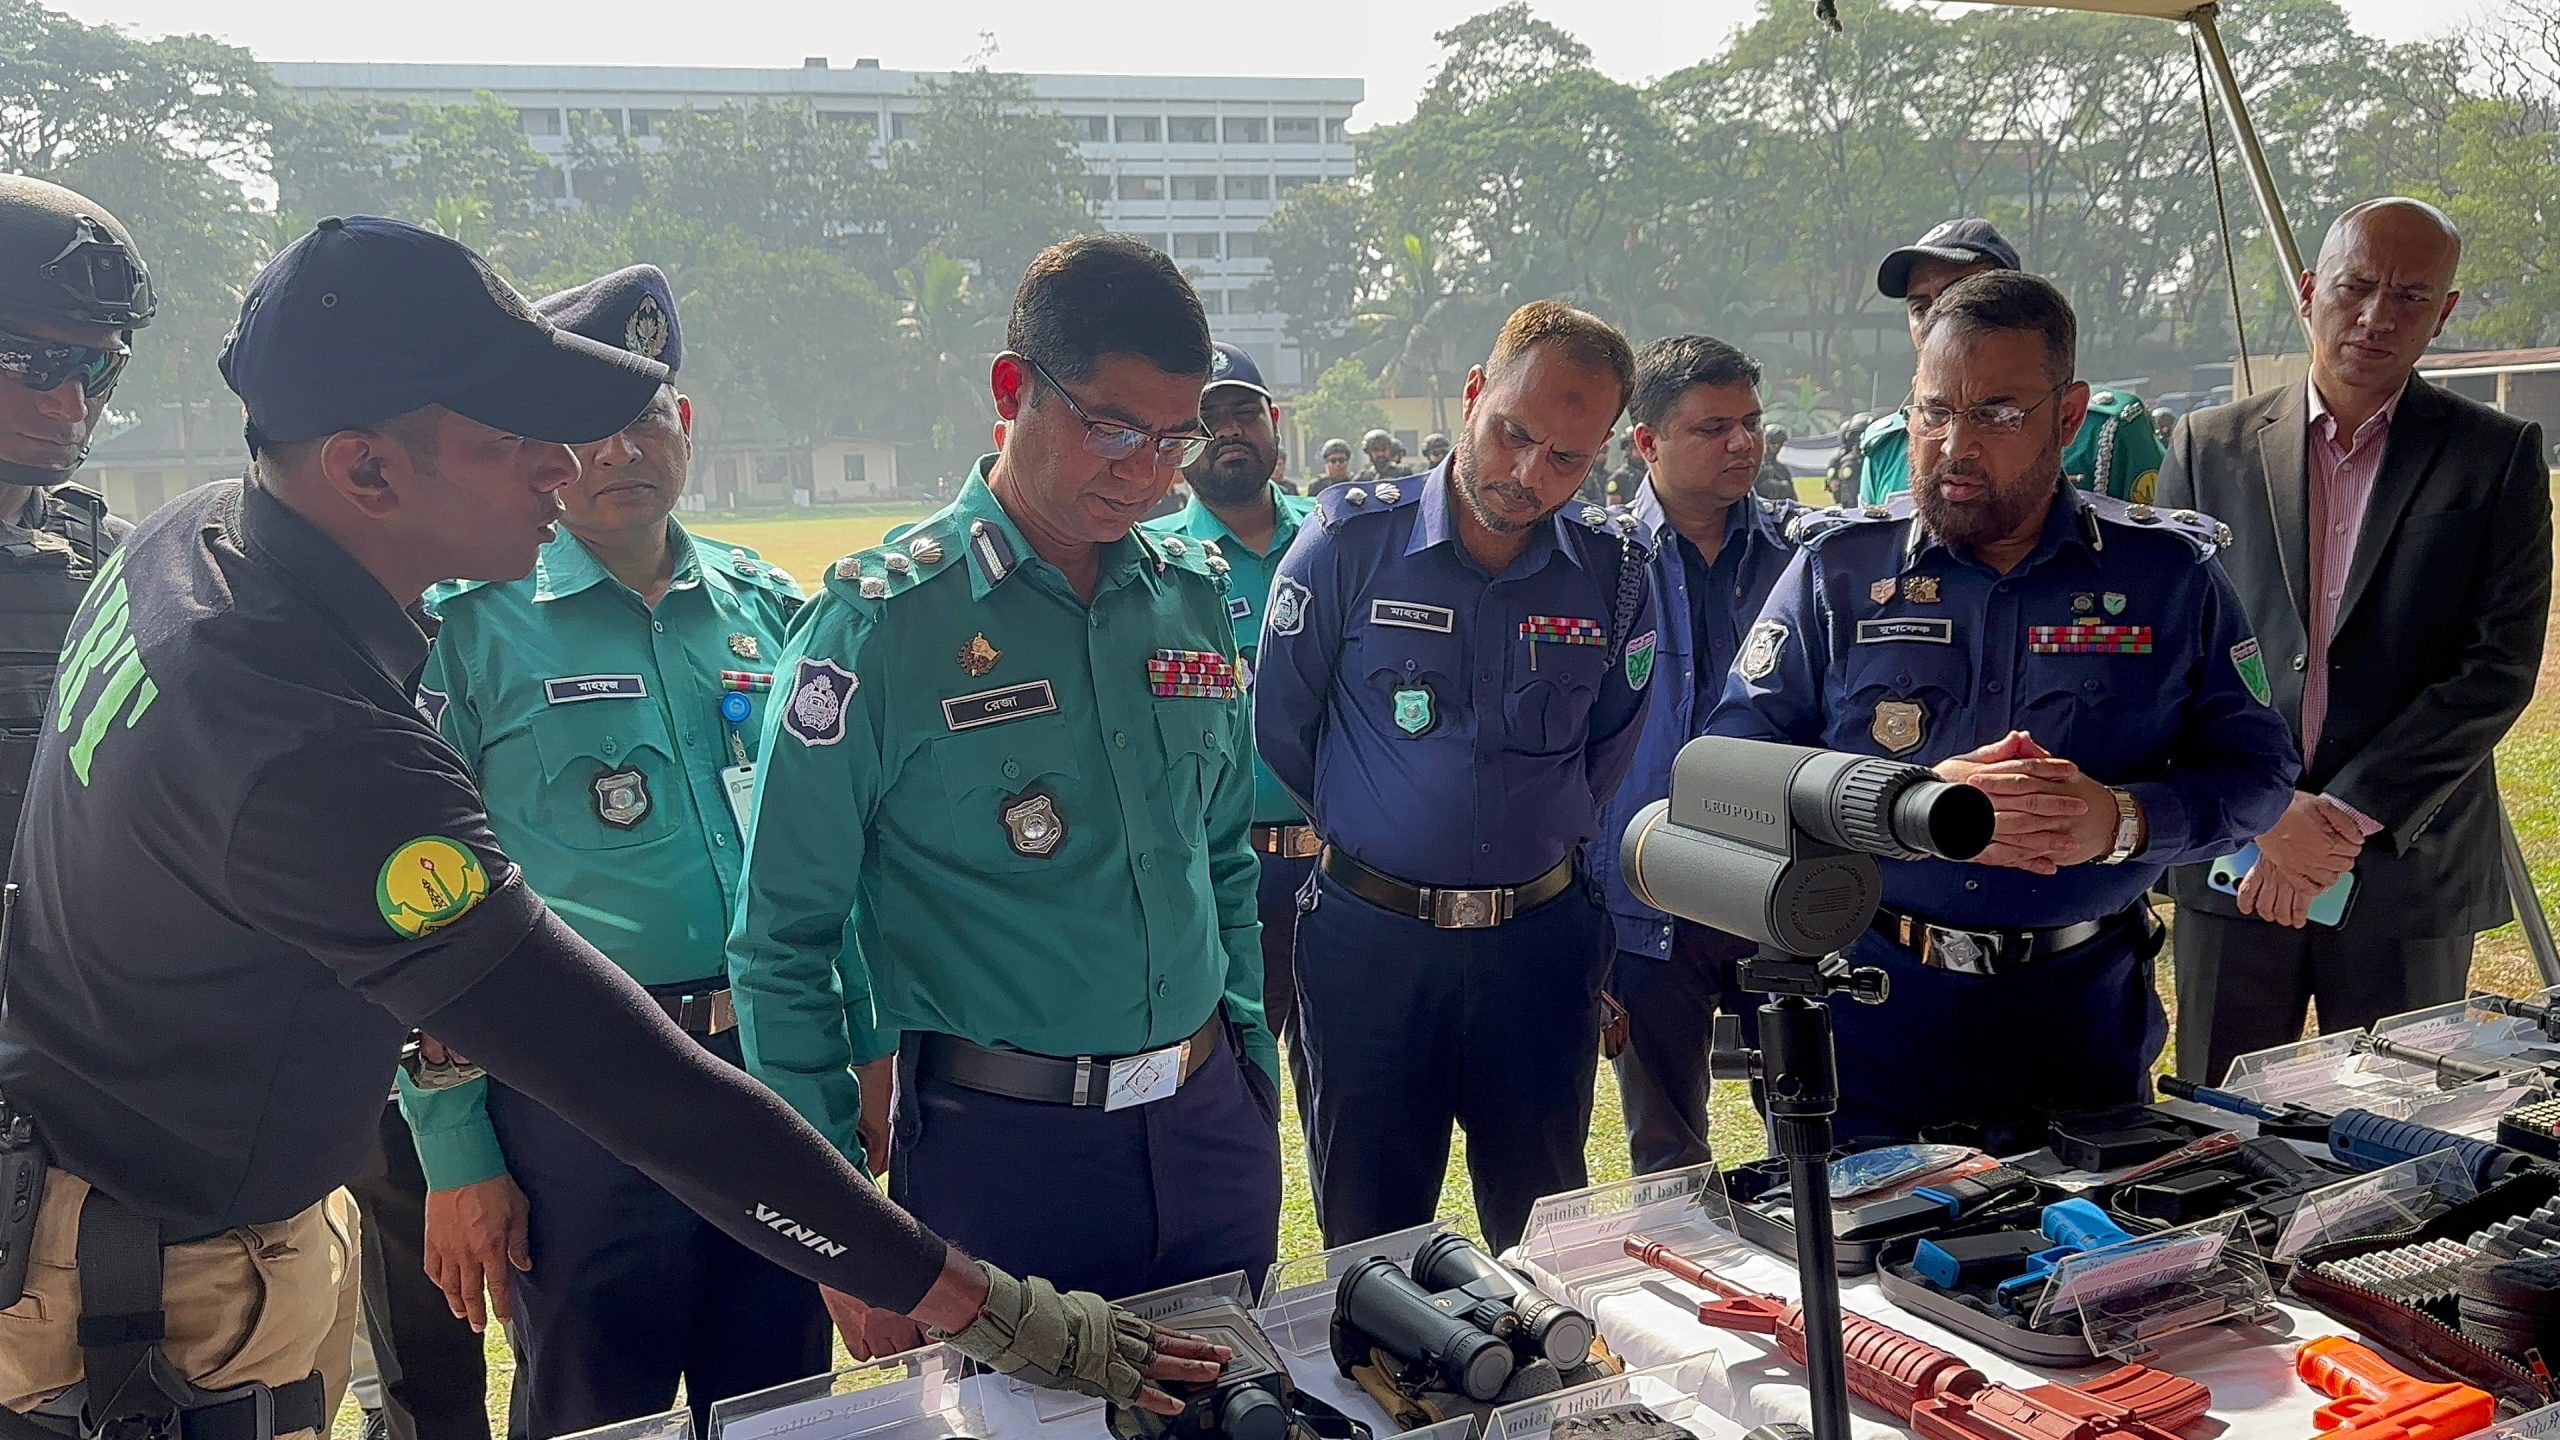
x=819, y=693
x=1389, y=493
x=978, y=656
x=926, y=550
x=745, y=646
x=1899, y=726
x=2089, y=638
x=1197, y=674
x=622, y=798
x=1033, y=826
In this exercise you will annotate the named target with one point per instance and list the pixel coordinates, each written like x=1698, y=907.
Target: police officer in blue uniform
x=1454, y=665
x=2082, y=660
x=1717, y=551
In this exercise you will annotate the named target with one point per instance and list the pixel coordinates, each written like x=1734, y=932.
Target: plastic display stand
x=2542, y=1424
x=915, y=1396
x=2329, y=1074
x=676, y=1424
x=2402, y=1197
x=2469, y=1030
x=2129, y=1297
x=1671, y=1391
x=1297, y=1299
x=1575, y=1244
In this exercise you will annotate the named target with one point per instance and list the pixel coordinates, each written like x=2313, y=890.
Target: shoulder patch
x=1812, y=525
x=1781, y=516
x=2203, y=534
x=1354, y=498
x=1178, y=551
x=745, y=564
x=894, y=566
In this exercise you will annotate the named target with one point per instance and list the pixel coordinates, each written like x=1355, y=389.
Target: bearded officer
x=2083, y=661
x=72, y=292
x=1246, y=517
x=2116, y=450
x=1000, y=838
x=605, y=703
x=1453, y=668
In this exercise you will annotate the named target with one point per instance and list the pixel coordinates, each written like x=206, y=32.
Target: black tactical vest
x=43, y=578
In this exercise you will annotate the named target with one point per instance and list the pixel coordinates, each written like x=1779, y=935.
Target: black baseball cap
x=367, y=318
x=1958, y=242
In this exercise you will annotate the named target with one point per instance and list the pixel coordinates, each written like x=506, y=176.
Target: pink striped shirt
x=2341, y=479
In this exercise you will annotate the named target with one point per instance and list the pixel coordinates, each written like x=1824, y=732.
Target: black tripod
x=1799, y=1078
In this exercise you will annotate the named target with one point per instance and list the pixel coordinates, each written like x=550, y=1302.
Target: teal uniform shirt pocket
x=1011, y=794
x=609, y=778
x=1199, y=750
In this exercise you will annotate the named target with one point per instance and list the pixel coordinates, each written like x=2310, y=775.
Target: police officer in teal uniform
x=1000, y=841
x=608, y=704
x=2116, y=451
x=1249, y=518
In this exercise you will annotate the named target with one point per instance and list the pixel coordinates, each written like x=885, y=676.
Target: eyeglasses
x=40, y=364
x=1932, y=422
x=1113, y=441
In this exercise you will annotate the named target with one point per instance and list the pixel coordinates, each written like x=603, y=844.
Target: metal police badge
x=622, y=798
x=1921, y=589
x=1415, y=714
x=745, y=646
x=1033, y=826
x=815, y=714
x=1900, y=726
x=428, y=884
x=1759, y=658
x=2253, y=670
x=1288, y=606
x=645, y=333
x=1640, y=660
x=978, y=657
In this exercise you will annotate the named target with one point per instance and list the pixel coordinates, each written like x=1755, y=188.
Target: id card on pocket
x=740, y=782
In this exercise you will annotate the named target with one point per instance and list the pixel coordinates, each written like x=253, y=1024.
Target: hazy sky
x=1386, y=44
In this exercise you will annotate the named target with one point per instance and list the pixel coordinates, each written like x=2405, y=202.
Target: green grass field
x=2529, y=769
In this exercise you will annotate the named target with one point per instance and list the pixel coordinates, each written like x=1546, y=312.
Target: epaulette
x=1890, y=424
x=894, y=567
x=746, y=565
x=2122, y=404
x=1352, y=498
x=1616, y=521
x=445, y=592
x=1184, y=553
x=1813, y=525
x=2203, y=534
x=1781, y=514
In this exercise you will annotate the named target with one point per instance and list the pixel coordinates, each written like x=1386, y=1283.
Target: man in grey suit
x=2393, y=543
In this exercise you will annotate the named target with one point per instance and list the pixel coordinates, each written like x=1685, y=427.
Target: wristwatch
x=2128, y=828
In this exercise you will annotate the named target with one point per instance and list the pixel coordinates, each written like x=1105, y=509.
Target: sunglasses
x=41, y=365
x=1113, y=441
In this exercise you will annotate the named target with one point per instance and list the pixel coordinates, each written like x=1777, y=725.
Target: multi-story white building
x=1194, y=164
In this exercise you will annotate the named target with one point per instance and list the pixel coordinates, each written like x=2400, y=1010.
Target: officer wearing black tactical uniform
x=72, y=292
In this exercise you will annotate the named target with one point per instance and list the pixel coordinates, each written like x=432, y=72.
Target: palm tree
x=1408, y=324
x=944, y=321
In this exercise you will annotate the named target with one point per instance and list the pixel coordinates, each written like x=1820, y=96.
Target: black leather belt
x=1086, y=1081
x=1990, y=952
x=701, y=1008
x=1290, y=842
x=1447, y=909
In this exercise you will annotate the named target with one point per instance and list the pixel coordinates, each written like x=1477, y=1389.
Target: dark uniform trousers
x=1672, y=1002
x=1277, y=899
x=1953, y=1054
x=1404, y=1028
x=1118, y=1202
x=630, y=1290
x=434, y=1380
x=2243, y=984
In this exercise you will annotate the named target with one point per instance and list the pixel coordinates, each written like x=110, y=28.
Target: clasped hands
x=2047, y=813
x=2313, y=844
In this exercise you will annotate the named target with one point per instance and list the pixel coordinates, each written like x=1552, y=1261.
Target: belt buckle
x=1145, y=1079
x=1298, y=842
x=1466, y=909
x=1961, y=952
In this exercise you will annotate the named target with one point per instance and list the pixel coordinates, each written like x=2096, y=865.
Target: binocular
x=1460, y=1315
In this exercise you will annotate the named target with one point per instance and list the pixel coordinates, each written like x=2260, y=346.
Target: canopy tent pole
x=2261, y=179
